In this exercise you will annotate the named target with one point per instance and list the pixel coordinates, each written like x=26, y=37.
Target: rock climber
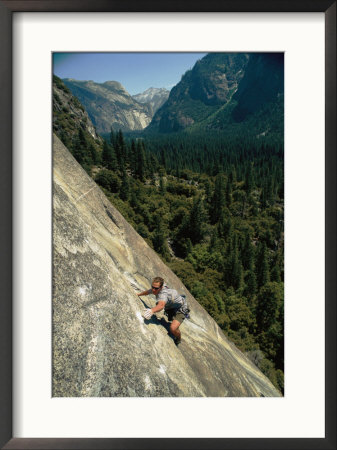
x=175, y=306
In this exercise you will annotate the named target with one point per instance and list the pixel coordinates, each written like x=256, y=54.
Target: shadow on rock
x=154, y=319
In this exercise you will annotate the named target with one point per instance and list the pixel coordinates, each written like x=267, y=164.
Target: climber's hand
x=147, y=314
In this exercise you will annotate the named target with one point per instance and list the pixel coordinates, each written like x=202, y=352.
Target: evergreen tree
x=250, y=284
x=234, y=271
x=121, y=150
x=247, y=253
x=108, y=180
x=133, y=158
x=109, y=157
x=208, y=195
x=162, y=188
x=262, y=265
x=112, y=138
x=159, y=239
x=189, y=246
x=275, y=273
x=228, y=193
x=225, y=227
x=94, y=155
x=249, y=182
x=163, y=158
x=79, y=149
x=218, y=199
x=197, y=220
x=232, y=175
x=269, y=302
x=141, y=162
x=125, y=188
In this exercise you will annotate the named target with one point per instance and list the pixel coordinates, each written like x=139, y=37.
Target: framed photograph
x=36, y=414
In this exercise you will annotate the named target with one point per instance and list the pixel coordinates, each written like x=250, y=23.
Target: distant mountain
x=224, y=91
x=109, y=105
x=156, y=97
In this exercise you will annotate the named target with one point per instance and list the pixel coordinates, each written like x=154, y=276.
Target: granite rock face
x=102, y=347
x=155, y=97
x=109, y=105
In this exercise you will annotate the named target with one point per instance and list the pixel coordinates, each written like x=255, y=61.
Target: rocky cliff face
x=101, y=344
x=110, y=105
x=68, y=113
x=155, y=97
x=222, y=90
x=201, y=92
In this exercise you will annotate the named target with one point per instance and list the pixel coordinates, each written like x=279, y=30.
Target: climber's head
x=157, y=284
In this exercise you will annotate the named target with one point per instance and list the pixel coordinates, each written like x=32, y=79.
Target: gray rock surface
x=155, y=97
x=110, y=105
x=102, y=346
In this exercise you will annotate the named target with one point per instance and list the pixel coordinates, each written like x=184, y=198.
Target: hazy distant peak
x=156, y=97
x=152, y=91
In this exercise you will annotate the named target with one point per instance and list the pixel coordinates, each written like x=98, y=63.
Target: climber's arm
x=143, y=293
x=159, y=306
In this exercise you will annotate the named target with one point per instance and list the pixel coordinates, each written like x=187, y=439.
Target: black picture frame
x=7, y=8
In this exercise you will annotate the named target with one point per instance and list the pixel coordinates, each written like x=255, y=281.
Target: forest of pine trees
x=212, y=208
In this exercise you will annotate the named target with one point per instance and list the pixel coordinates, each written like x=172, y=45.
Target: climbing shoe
x=177, y=340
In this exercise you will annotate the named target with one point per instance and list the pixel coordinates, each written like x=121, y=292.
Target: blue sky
x=135, y=71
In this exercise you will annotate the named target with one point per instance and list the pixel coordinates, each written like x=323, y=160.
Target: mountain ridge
x=155, y=97
x=225, y=91
x=109, y=105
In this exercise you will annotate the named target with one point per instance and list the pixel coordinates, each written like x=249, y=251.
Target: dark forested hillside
x=232, y=92
x=212, y=206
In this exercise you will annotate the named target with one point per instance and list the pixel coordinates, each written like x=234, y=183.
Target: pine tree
x=275, y=273
x=250, y=284
x=235, y=267
x=94, y=154
x=262, y=265
x=153, y=166
x=247, y=253
x=133, y=158
x=125, y=188
x=228, y=193
x=109, y=157
x=197, y=220
x=159, y=239
x=163, y=158
x=162, y=188
x=249, y=181
x=189, y=246
x=79, y=149
x=225, y=226
x=141, y=162
x=208, y=195
x=121, y=150
x=112, y=138
x=218, y=199
x=269, y=302
x=232, y=175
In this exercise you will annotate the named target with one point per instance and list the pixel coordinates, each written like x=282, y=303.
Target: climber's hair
x=158, y=280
